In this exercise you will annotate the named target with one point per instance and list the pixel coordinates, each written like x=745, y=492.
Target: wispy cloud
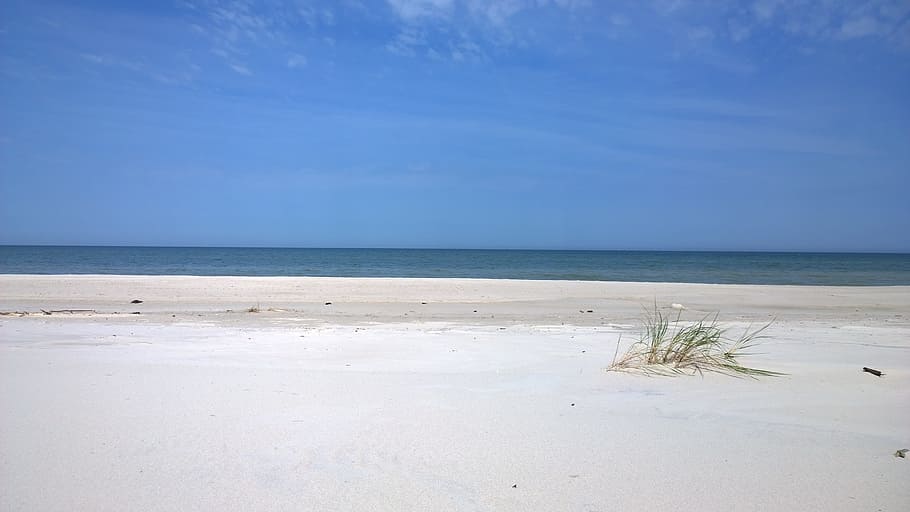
x=458, y=46
x=235, y=27
x=860, y=27
x=713, y=32
x=116, y=62
x=481, y=30
x=738, y=30
x=241, y=69
x=765, y=9
x=668, y=7
x=466, y=49
x=296, y=60
x=468, y=30
x=412, y=10
x=408, y=42
x=700, y=33
x=718, y=33
x=496, y=12
x=823, y=20
x=812, y=21
x=179, y=75
x=620, y=20
x=94, y=59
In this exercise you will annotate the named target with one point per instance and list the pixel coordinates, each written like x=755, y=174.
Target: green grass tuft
x=672, y=347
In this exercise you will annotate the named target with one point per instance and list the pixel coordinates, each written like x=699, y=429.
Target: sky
x=539, y=124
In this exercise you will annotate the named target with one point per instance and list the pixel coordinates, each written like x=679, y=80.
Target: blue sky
x=666, y=124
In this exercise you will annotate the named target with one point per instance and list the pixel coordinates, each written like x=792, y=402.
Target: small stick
x=873, y=371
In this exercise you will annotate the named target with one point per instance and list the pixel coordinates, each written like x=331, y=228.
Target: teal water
x=651, y=266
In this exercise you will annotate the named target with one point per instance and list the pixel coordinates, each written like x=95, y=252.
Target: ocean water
x=652, y=266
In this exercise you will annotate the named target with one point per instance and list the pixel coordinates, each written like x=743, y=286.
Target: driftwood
x=873, y=371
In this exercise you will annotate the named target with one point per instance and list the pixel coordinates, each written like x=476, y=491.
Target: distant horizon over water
x=715, y=267
x=525, y=249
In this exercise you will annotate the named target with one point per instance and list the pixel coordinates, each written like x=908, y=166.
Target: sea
x=781, y=268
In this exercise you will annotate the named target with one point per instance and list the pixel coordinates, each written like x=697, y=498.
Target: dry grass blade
x=675, y=348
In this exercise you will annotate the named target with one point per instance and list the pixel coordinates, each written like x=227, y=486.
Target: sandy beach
x=255, y=393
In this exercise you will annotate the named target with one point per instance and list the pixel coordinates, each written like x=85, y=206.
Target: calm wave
x=689, y=267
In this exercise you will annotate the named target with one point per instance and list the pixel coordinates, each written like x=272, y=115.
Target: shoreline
x=442, y=298
x=438, y=278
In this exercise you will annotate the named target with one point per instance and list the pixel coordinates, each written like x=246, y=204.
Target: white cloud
x=114, y=62
x=816, y=21
x=738, y=30
x=236, y=27
x=328, y=17
x=413, y=42
x=860, y=27
x=433, y=54
x=700, y=33
x=295, y=60
x=240, y=68
x=901, y=37
x=668, y=7
x=619, y=20
x=568, y=4
x=496, y=12
x=408, y=41
x=94, y=59
x=765, y=9
x=469, y=30
x=417, y=9
x=460, y=47
x=168, y=76
x=465, y=49
x=728, y=62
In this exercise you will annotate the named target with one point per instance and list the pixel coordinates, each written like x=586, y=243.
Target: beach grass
x=675, y=347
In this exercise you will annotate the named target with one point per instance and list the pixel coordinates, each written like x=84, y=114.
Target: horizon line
x=388, y=248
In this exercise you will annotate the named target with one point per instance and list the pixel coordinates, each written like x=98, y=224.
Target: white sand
x=379, y=402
